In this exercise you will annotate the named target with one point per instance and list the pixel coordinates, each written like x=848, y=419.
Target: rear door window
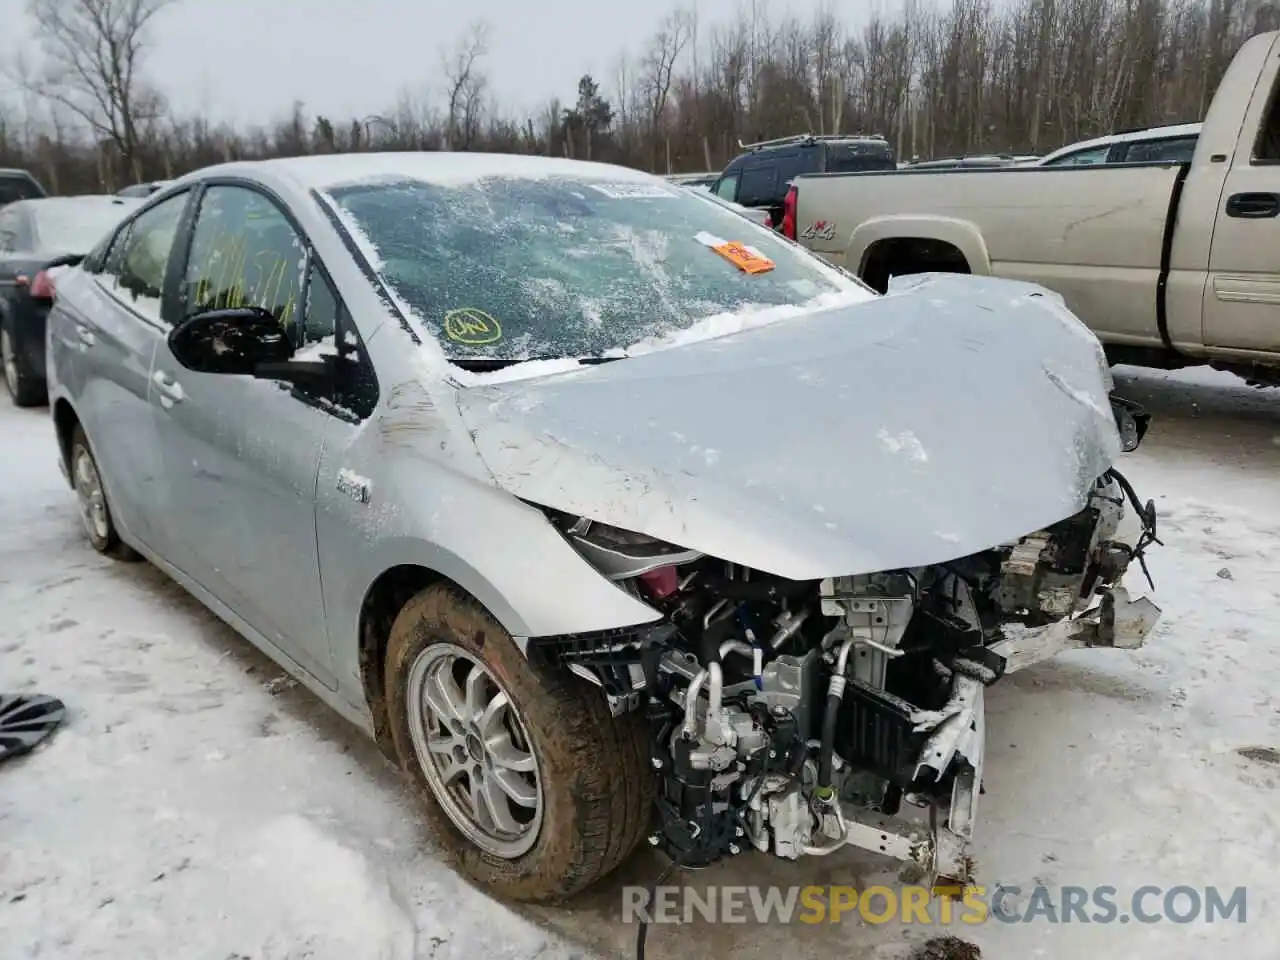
x=136, y=266
x=1167, y=150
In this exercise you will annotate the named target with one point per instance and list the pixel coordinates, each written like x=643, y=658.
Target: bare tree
x=939, y=77
x=659, y=65
x=93, y=52
x=466, y=85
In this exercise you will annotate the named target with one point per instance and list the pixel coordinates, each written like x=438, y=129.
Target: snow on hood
x=907, y=430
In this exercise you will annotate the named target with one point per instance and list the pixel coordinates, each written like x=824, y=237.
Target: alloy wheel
x=89, y=493
x=474, y=750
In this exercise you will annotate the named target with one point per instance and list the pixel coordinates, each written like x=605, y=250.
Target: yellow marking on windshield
x=471, y=326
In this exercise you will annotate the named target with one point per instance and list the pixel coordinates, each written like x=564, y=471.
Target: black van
x=759, y=177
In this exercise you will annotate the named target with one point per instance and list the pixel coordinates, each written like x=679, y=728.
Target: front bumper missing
x=938, y=853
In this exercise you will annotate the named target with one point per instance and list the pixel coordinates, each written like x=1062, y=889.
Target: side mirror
x=233, y=341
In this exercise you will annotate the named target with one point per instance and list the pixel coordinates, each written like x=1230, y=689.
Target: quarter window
x=321, y=322
x=244, y=253
x=328, y=334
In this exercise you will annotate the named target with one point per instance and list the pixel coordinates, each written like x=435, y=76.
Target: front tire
x=529, y=783
x=91, y=495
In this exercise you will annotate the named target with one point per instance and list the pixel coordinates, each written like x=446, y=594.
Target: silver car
x=612, y=516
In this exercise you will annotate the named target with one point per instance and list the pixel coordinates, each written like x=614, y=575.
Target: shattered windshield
x=509, y=269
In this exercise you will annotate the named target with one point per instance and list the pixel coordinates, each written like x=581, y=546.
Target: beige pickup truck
x=1170, y=264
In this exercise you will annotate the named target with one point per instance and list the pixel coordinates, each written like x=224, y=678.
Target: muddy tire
x=91, y=495
x=550, y=737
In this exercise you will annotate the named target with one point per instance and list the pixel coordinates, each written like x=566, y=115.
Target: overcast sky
x=248, y=60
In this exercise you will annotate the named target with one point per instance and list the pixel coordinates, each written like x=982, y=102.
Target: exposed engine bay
x=799, y=717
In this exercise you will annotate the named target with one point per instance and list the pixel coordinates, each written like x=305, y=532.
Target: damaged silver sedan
x=612, y=516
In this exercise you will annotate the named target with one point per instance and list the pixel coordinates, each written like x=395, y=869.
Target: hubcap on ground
x=26, y=720
x=475, y=750
x=10, y=363
x=93, y=502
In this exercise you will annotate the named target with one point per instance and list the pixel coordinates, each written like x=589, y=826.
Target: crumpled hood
x=951, y=417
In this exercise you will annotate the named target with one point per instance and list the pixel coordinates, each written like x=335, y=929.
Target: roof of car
x=45, y=203
x=327, y=171
x=1129, y=136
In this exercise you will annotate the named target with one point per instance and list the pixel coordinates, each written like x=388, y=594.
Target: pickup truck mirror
x=234, y=340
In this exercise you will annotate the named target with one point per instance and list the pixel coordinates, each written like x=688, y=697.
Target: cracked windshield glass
x=515, y=269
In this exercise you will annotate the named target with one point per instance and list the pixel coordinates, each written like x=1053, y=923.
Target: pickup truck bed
x=1169, y=264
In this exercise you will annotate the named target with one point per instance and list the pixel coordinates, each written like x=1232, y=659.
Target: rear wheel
x=529, y=782
x=91, y=495
x=24, y=388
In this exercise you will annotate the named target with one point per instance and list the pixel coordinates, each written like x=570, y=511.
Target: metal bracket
x=928, y=853
x=1116, y=622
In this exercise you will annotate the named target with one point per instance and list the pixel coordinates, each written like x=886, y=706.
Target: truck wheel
x=25, y=389
x=529, y=783
x=91, y=494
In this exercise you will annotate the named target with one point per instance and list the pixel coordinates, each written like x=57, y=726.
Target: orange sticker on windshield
x=743, y=257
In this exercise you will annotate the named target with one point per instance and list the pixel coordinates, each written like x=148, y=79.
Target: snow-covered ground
x=197, y=805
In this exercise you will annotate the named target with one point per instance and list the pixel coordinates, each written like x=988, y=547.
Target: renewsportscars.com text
x=1006, y=903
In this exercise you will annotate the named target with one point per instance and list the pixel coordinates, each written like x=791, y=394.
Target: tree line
x=960, y=77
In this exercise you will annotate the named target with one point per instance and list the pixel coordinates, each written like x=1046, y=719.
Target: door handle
x=1253, y=206
x=169, y=388
x=85, y=336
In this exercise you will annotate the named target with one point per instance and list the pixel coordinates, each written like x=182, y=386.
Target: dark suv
x=760, y=177
x=19, y=185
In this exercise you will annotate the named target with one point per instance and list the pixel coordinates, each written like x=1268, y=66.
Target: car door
x=109, y=328
x=1242, y=295
x=241, y=455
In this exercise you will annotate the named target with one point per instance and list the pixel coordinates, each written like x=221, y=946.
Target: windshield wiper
x=487, y=364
